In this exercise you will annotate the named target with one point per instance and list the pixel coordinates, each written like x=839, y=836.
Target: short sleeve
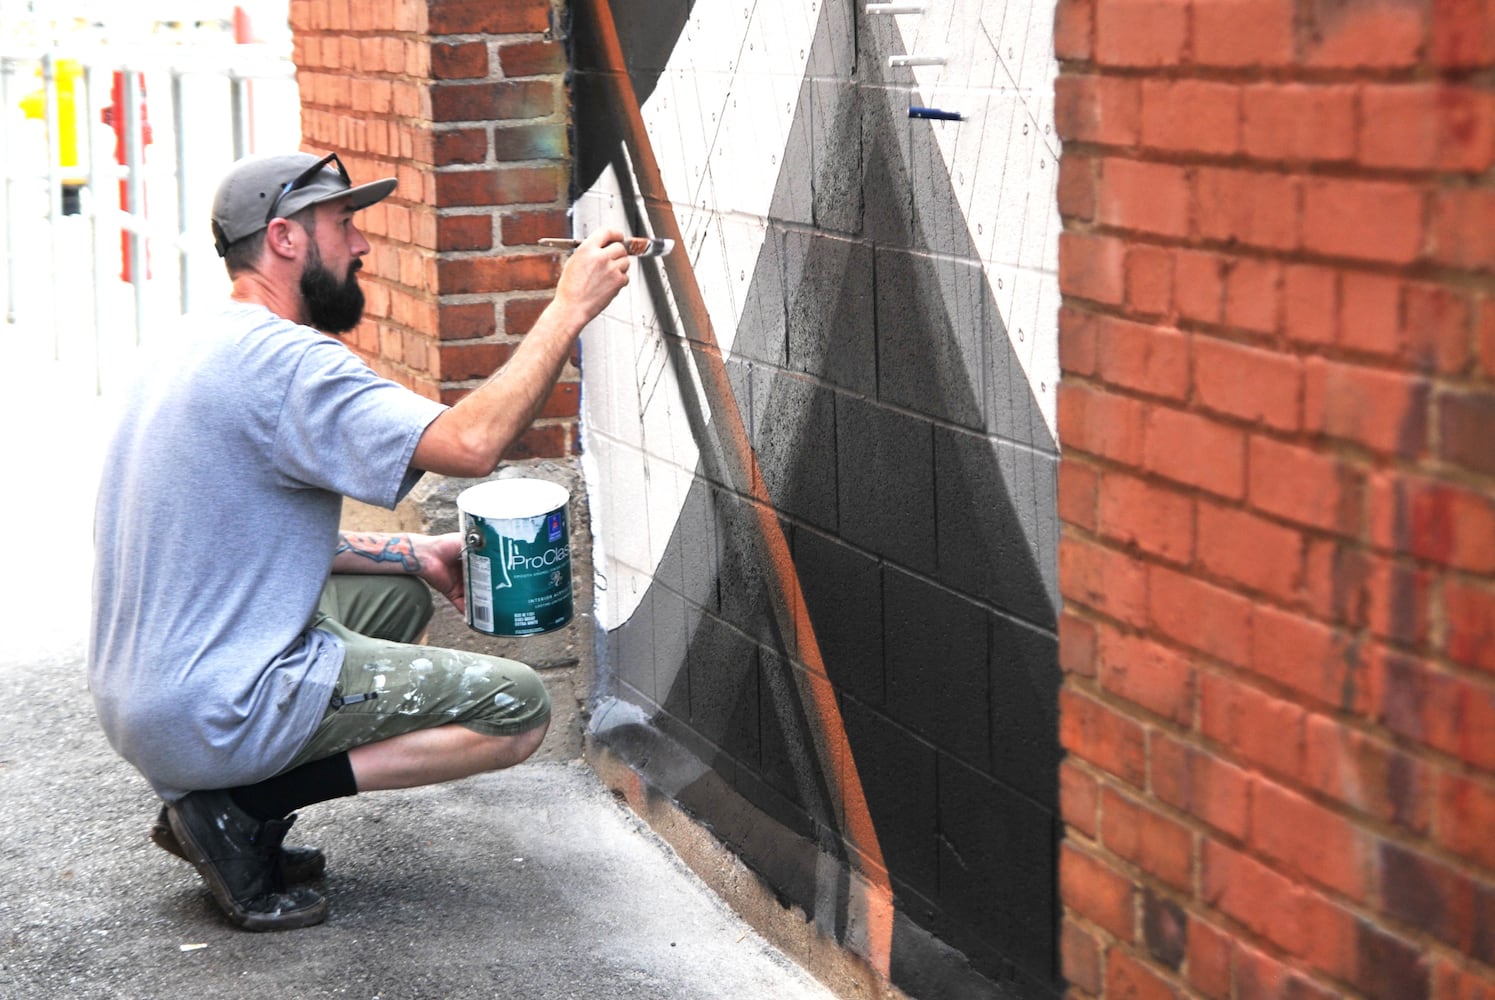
x=344, y=428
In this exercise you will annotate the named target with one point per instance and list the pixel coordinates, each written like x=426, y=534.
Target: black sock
x=277, y=797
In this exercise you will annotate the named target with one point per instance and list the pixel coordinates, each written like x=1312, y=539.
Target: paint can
x=516, y=556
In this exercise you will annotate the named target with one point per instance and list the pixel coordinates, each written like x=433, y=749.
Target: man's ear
x=284, y=238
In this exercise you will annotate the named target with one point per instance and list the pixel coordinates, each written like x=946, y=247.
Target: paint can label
x=517, y=556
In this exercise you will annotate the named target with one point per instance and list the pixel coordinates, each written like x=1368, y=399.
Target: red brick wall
x=464, y=102
x=1278, y=427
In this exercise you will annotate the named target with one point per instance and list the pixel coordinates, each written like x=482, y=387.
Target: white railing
x=109, y=158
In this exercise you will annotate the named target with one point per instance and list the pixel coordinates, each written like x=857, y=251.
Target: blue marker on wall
x=935, y=113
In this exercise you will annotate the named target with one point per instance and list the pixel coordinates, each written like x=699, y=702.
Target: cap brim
x=359, y=197
x=365, y=195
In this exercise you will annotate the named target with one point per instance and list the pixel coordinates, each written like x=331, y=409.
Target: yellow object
x=34, y=105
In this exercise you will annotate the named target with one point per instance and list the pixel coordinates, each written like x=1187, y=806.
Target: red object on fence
x=115, y=117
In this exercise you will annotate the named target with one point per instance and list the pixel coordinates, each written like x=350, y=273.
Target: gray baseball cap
x=258, y=189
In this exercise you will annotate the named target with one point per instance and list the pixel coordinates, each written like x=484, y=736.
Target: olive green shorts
x=389, y=686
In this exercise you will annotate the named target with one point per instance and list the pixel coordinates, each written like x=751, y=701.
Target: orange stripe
x=832, y=746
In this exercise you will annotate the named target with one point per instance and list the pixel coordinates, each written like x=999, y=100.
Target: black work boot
x=238, y=857
x=298, y=864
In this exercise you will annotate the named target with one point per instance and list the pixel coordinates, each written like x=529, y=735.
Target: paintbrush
x=637, y=246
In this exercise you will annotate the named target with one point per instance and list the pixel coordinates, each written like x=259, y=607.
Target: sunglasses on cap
x=305, y=178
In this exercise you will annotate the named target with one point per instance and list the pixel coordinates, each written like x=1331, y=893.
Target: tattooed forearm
x=381, y=548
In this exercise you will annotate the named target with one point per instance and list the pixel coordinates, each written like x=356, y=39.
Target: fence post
x=54, y=183
x=6, y=156
x=239, y=99
x=91, y=112
x=179, y=130
x=130, y=94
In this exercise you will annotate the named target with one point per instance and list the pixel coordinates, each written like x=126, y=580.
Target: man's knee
x=529, y=740
x=520, y=747
x=534, y=737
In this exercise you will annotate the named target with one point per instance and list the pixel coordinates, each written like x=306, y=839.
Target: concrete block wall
x=819, y=443
x=466, y=104
x=1278, y=497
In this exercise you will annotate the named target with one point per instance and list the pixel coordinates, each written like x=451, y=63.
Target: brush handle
x=637, y=246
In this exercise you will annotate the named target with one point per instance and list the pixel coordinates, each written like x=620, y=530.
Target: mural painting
x=821, y=459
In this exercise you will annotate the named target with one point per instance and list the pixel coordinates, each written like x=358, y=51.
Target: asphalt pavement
x=532, y=884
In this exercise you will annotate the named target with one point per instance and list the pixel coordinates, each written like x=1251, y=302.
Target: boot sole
x=277, y=921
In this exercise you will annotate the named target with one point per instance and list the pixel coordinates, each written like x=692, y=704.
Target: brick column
x=1278, y=497
x=465, y=102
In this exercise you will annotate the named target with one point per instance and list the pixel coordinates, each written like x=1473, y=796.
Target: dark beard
x=332, y=306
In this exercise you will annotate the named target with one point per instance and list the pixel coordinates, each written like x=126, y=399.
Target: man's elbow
x=474, y=460
x=473, y=467
x=465, y=456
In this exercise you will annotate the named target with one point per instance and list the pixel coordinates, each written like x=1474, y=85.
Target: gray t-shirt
x=215, y=530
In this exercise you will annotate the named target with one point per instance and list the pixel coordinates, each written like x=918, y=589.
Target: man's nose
x=358, y=246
